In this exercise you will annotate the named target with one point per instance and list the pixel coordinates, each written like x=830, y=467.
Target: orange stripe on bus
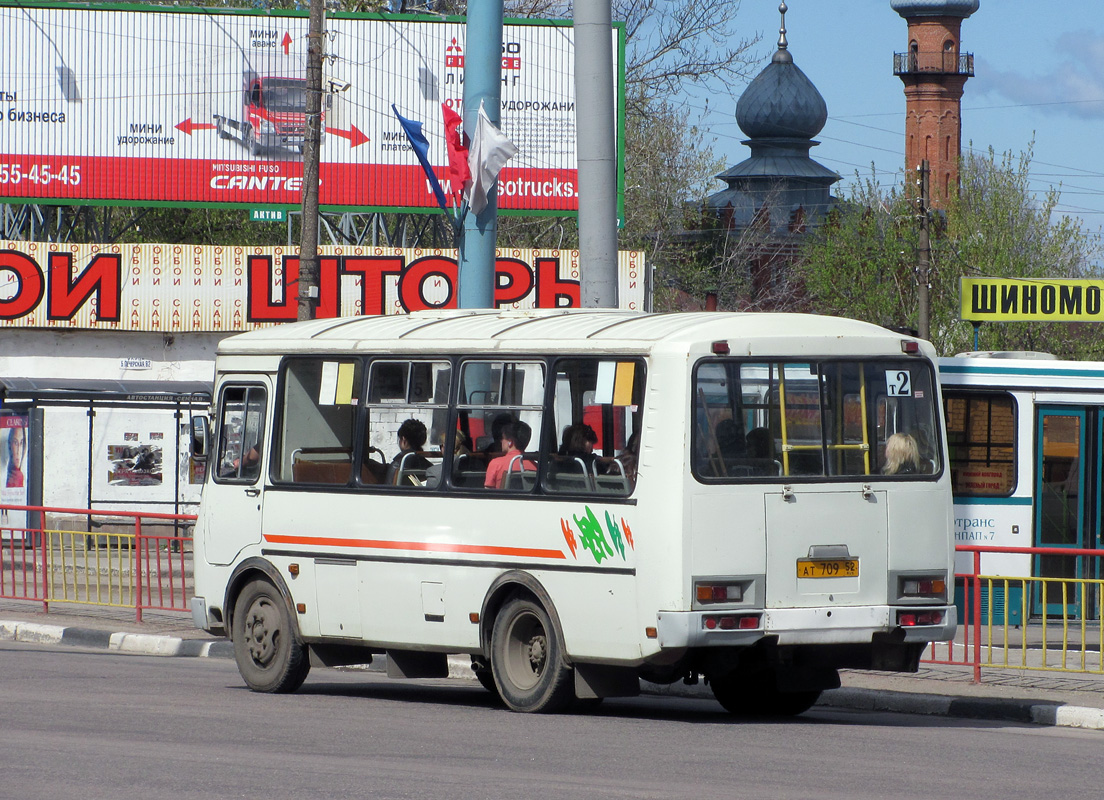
x=434, y=547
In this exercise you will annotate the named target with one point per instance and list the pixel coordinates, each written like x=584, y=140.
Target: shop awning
x=104, y=389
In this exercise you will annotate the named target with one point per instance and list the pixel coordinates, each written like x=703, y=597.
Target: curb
x=994, y=709
x=139, y=643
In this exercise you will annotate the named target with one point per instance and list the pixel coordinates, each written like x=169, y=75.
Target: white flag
x=489, y=152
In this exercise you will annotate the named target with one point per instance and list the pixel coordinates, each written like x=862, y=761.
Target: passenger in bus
x=578, y=442
x=730, y=445
x=630, y=456
x=412, y=437
x=515, y=438
x=760, y=443
x=760, y=451
x=925, y=449
x=373, y=471
x=493, y=448
x=249, y=464
x=460, y=452
x=902, y=457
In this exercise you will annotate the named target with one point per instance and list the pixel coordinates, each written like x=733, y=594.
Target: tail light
x=910, y=619
x=924, y=586
x=731, y=622
x=719, y=592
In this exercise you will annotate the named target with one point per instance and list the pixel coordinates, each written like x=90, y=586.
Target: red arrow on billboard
x=188, y=126
x=286, y=42
x=354, y=135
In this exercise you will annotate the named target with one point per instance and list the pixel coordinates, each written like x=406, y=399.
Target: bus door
x=234, y=520
x=1064, y=468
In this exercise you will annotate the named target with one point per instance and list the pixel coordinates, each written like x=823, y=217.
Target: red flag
x=459, y=172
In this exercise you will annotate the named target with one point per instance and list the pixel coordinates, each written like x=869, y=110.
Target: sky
x=1039, y=76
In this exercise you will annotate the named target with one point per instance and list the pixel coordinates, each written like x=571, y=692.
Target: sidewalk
x=1046, y=698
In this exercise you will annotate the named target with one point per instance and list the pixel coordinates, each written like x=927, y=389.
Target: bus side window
x=406, y=423
x=317, y=420
x=981, y=431
x=241, y=432
x=596, y=418
x=496, y=396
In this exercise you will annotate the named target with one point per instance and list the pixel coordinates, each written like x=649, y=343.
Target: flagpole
x=478, y=237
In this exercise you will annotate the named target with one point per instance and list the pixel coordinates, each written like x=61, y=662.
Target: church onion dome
x=935, y=8
x=781, y=103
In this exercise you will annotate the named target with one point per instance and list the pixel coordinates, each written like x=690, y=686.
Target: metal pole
x=596, y=152
x=138, y=583
x=308, y=242
x=924, y=248
x=482, y=82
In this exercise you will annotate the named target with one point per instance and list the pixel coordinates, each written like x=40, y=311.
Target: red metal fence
x=1051, y=624
x=130, y=559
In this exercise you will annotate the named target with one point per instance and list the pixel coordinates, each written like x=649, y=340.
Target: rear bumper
x=795, y=626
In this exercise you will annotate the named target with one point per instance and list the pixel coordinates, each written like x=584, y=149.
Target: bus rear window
x=761, y=420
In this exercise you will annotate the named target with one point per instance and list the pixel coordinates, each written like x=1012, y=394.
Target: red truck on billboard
x=274, y=113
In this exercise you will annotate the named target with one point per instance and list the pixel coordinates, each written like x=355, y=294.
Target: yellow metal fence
x=120, y=559
x=1028, y=623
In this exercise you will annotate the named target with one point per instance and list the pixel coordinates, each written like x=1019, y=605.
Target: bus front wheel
x=269, y=654
x=527, y=659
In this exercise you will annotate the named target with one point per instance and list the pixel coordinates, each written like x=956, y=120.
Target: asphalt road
x=93, y=724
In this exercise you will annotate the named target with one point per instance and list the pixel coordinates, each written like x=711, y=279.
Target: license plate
x=828, y=568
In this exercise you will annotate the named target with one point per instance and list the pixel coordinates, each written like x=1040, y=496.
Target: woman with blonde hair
x=902, y=456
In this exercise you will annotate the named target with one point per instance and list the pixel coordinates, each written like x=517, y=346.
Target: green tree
x=862, y=262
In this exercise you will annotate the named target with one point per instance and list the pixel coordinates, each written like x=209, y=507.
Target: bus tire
x=527, y=659
x=487, y=681
x=759, y=698
x=270, y=656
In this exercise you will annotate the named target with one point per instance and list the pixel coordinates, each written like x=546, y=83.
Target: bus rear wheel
x=759, y=697
x=527, y=659
x=269, y=654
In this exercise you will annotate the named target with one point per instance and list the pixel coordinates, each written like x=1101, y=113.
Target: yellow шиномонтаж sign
x=1043, y=300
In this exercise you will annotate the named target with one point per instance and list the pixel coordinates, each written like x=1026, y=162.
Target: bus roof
x=1028, y=373
x=564, y=329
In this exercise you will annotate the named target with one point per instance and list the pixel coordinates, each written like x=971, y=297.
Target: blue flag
x=418, y=141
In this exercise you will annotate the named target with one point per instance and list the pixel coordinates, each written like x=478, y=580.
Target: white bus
x=1027, y=464
x=577, y=500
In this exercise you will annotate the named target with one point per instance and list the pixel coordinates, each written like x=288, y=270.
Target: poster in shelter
x=13, y=475
x=130, y=450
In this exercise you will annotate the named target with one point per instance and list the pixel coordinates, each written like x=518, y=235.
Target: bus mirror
x=199, y=438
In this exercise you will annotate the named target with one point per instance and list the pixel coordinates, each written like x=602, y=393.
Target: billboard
x=1032, y=300
x=207, y=288
x=140, y=104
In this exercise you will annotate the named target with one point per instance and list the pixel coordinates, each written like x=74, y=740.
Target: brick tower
x=934, y=71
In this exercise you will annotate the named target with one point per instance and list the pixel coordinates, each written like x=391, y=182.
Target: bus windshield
x=821, y=419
